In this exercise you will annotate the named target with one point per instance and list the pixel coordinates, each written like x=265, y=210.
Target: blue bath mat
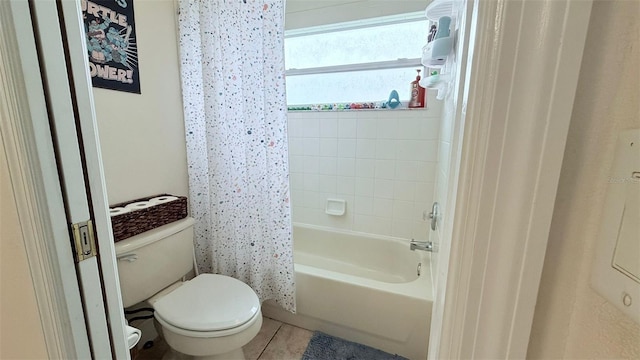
x=326, y=347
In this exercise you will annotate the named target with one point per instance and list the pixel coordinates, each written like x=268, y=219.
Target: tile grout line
x=269, y=342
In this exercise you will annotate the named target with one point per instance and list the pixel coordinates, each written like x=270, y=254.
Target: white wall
x=571, y=319
x=383, y=163
x=21, y=333
x=142, y=136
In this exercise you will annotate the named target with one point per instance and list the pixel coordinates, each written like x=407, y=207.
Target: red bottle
x=418, y=99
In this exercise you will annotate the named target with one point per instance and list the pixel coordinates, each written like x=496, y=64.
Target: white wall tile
x=311, y=182
x=327, y=165
x=294, y=127
x=404, y=190
x=387, y=127
x=430, y=129
x=310, y=127
x=365, y=186
x=311, y=199
x=350, y=201
x=296, y=196
x=424, y=192
x=346, y=167
x=383, y=207
x=434, y=106
x=327, y=183
x=406, y=170
x=338, y=222
x=296, y=163
x=366, y=149
x=346, y=185
x=383, y=189
x=419, y=209
x=302, y=215
x=409, y=129
x=405, y=149
x=420, y=231
x=426, y=171
x=329, y=127
x=365, y=168
x=403, y=210
x=328, y=147
x=347, y=148
x=384, y=164
x=402, y=229
x=385, y=169
x=295, y=213
x=296, y=181
x=429, y=150
x=311, y=164
x=296, y=146
x=364, y=205
x=366, y=128
x=385, y=149
x=347, y=127
x=311, y=146
x=372, y=224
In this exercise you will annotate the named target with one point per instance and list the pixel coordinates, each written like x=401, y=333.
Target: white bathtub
x=361, y=287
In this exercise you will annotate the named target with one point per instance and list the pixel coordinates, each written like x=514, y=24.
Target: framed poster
x=111, y=44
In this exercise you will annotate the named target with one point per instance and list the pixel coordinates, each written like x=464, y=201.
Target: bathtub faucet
x=421, y=245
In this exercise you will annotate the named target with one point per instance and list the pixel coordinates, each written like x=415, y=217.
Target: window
x=360, y=61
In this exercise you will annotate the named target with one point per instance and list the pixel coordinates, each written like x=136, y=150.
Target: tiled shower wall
x=382, y=163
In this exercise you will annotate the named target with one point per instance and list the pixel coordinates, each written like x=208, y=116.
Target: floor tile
x=255, y=347
x=153, y=353
x=289, y=343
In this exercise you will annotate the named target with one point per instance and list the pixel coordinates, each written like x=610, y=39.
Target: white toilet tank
x=153, y=260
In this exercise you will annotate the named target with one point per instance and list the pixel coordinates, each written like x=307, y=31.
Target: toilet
x=208, y=317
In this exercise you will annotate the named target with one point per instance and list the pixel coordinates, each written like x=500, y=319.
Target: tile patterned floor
x=275, y=341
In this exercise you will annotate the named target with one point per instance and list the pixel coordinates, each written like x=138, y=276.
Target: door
x=52, y=52
x=509, y=113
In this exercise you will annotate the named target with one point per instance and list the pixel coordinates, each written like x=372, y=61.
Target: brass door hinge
x=84, y=240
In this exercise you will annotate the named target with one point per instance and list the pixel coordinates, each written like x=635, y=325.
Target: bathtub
x=361, y=287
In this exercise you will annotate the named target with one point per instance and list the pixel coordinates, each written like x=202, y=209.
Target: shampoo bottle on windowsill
x=418, y=99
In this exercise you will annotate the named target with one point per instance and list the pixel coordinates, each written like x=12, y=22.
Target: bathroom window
x=354, y=62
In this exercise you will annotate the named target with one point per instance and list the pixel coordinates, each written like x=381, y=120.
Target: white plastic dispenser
x=435, y=53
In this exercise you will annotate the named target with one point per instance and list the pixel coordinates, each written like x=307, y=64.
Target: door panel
x=60, y=45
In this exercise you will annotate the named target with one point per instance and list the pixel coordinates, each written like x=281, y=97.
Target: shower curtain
x=232, y=67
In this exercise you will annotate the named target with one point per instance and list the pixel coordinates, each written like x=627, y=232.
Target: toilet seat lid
x=209, y=302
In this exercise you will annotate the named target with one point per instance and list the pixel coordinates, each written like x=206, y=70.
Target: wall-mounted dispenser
x=616, y=274
x=435, y=53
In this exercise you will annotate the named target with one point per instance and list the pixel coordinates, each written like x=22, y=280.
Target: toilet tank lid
x=209, y=302
x=148, y=237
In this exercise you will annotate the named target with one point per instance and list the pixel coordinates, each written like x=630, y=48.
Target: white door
x=518, y=64
x=53, y=56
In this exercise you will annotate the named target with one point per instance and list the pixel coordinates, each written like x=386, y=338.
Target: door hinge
x=83, y=240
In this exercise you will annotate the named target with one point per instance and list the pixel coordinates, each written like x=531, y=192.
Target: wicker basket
x=138, y=221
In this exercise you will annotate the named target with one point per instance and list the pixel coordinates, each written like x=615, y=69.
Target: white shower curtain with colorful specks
x=233, y=88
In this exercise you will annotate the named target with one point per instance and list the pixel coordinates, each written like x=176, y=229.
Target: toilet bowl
x=208, y=317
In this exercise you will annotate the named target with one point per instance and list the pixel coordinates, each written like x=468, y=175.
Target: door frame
x=34, y=175
x=514, y=125
x=506, y=157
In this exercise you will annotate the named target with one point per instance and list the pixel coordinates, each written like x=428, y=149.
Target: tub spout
x=421, y=245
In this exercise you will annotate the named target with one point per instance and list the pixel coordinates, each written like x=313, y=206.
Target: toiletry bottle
x=432, y=33
x=418, y=99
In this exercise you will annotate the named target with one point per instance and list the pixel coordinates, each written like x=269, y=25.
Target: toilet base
x=227, y=347
x=236, y=354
